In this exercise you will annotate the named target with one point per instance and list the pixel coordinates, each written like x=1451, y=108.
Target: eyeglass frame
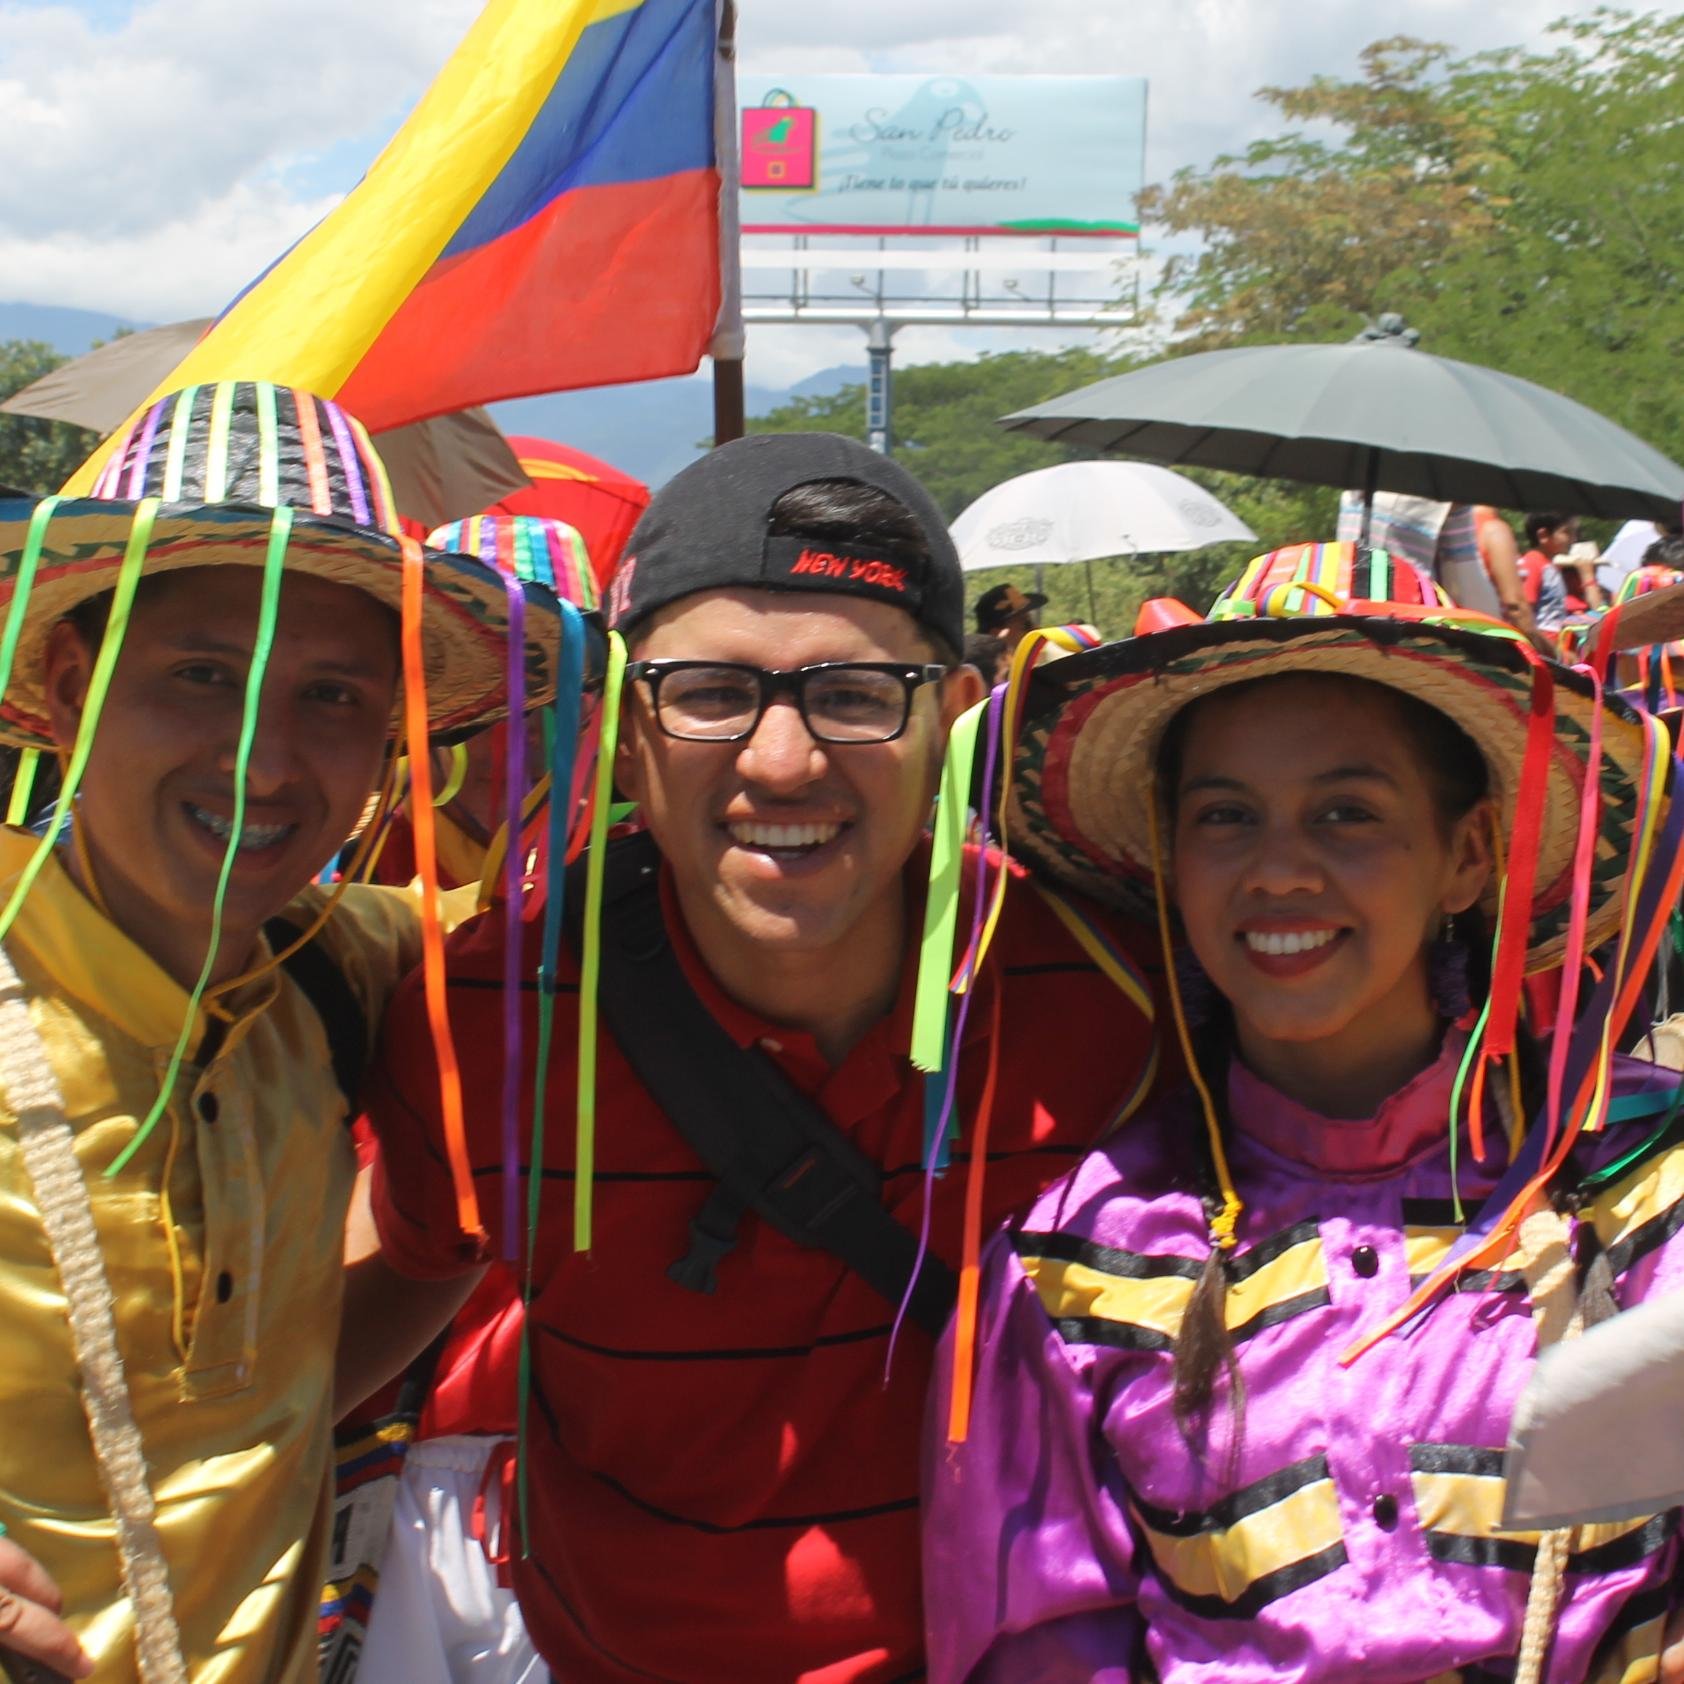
x=774, y=682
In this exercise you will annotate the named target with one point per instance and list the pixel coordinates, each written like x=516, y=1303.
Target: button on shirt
x=229, y=1358
x=723, y=1487
x=1077, y=1534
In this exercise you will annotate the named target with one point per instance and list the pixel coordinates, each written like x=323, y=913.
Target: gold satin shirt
x=229, y=1354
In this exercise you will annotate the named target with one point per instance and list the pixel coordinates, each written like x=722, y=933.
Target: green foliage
x=1524, y=210
x=35, y=455
x=946, y=431
x=945, y=417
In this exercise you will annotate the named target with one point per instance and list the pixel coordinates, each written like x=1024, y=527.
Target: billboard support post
x=880, y=349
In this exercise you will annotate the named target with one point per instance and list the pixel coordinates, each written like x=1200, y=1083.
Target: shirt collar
x=1413, y=1121
x=93, y=961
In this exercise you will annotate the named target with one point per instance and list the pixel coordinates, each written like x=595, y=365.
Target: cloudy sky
x=159, y=152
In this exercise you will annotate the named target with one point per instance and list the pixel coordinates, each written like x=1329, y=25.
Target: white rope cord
x=31, y=1093
x=1547, y=1264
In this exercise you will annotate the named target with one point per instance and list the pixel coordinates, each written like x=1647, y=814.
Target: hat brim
x=1643, y=621
x=465, y=608
x=1093, y=725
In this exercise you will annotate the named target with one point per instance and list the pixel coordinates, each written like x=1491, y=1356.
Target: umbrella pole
x=1370, y=484
x=1093, y=612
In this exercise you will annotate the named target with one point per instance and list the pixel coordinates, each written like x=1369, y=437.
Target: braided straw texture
x=31, y=1092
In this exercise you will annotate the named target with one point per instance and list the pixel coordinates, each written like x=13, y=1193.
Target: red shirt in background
x=724, y=1487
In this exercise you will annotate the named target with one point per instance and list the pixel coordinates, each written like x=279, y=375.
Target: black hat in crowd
x=1000, y=606
x=708, y=529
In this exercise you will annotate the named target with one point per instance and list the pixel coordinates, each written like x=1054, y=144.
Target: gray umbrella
x=441, y=470
x=1374, y=415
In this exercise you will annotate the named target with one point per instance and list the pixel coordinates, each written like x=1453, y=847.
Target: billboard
x=1034, y=155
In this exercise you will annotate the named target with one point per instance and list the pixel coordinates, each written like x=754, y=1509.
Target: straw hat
x=222, y=457
x=1326, y=575
x=1092, y=726
x=534, y=548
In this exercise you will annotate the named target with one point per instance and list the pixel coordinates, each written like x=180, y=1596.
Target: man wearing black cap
x=1006, y=613
x=722, y=1469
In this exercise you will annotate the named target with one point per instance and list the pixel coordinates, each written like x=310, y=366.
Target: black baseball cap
x=1003, y=604
x=708, y=529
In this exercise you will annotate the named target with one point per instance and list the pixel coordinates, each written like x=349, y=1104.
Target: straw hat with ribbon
x=196, y=481
x=1091, y=726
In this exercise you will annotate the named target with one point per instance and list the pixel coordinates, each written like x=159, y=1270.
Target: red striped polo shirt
x=724, y=1487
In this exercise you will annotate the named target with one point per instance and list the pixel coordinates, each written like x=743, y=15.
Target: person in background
x=1501, y=556
x=1440, y=538
x=1550, y=536
x=1006, y=614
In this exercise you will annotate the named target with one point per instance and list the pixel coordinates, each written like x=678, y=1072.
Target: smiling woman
x=1191, y=1432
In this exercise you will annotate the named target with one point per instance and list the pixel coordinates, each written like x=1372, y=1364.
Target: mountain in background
x=656, y=427
x=69, y=332
x=651, y=429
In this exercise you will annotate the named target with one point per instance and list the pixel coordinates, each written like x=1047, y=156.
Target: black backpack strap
x=344, y=1021
x=774, y=1151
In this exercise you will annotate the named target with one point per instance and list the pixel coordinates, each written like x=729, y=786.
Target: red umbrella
x=599, y=502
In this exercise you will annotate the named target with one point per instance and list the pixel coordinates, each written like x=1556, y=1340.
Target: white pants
x=439, y=1615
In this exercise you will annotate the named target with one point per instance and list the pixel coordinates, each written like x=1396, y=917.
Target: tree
x=1302, y=237
x=35, y=456
x=1522, y=209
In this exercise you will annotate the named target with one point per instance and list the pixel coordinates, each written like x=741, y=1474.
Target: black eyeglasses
x=840, y=701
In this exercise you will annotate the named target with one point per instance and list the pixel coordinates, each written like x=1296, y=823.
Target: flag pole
x=729, y=339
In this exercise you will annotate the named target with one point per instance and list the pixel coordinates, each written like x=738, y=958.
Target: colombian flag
x=547, y=218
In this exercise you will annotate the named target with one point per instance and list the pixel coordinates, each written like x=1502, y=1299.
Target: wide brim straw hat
x=1085, y=768
x=222, y=458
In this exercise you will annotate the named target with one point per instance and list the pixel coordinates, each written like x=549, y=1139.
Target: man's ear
x=628, y=762
x=962, y=688
x=68, y=669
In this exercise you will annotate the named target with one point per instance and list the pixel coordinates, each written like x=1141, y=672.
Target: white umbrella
x=1080, y=511
x=1625, y=553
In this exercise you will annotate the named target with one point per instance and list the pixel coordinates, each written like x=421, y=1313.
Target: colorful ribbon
x=268, y=612
x=427, y=866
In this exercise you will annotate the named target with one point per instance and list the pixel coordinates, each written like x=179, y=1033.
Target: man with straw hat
x=220, y=646
x=1243, y=1382
x=721, y=1435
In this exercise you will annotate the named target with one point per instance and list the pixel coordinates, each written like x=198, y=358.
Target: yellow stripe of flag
x=312, y=318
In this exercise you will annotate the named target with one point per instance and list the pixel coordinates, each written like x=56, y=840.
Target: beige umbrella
x=441, y=470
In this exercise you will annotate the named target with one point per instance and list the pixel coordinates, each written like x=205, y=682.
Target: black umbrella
x=1375, y=415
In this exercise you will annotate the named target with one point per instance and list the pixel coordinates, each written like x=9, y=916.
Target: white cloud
x=187, y=265
x=155, y=164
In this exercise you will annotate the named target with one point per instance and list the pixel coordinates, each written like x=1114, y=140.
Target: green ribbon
x=590, y=966
x=23, y=784
x=280, y=531
x=931, y=999
x=122, y=599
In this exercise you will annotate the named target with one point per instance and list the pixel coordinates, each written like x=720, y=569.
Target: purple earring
x=1447, y=972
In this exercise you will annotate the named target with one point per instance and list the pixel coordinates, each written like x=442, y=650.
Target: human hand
x=30, y=1606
